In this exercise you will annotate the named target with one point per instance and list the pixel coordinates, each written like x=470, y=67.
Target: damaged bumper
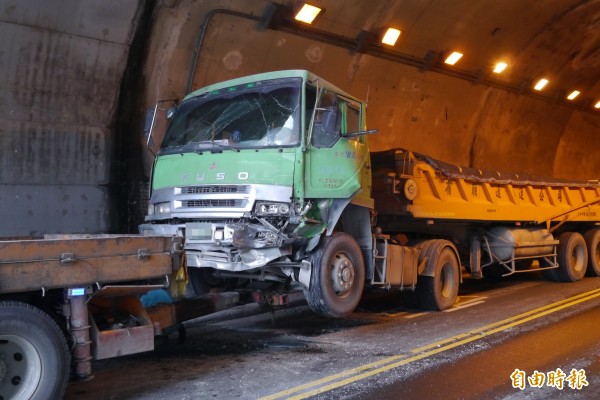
x=231, y=247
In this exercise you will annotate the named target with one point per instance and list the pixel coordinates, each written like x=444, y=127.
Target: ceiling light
x=307, y=13
x=499, y=67
x=391, y=36
x=541, y=84
x=453, y=58
x=573, y=94
x=597, y=105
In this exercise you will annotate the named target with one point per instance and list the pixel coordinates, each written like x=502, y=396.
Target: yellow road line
x=386, y=364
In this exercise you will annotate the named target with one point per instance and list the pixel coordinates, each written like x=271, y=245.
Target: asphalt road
x=523, y=327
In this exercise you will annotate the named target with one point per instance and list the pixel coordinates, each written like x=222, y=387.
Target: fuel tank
x=506, y=243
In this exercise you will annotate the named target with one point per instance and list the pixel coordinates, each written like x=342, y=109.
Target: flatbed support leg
x=80, y=329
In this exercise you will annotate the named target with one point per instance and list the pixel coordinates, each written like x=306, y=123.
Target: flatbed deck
x=81, y=260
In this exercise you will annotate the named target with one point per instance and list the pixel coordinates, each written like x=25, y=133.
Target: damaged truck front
x=256, y=174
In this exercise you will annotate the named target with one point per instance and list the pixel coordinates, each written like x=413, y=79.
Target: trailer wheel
x=440, y=291
x=592, y=240
x=572, y=257
x=338, y=277
x=34, y=357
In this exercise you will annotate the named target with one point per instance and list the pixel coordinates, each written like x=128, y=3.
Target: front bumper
x=234, y=247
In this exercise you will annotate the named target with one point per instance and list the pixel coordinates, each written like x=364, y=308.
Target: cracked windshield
x=255, y=115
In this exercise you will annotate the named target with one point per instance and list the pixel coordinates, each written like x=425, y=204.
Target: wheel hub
x=20, y=367
x=342, y=274
x=577, y=256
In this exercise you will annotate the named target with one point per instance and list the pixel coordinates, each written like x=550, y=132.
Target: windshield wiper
x=217, y=143
x=221, y=144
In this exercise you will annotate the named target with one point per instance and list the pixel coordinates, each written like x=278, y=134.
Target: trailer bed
x=418, y=186
x=82, y=260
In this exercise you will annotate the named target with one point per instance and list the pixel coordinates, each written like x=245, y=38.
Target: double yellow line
x=365, y=371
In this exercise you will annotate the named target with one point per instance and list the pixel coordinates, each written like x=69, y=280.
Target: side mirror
x=331, y=120
x=171, y=112
x=148, y=124
x=151, y=118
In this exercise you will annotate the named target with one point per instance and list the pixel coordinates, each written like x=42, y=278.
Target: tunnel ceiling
x=556, y=40
x=463, y=113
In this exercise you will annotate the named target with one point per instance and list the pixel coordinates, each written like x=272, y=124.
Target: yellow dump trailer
x=498, y=224
x=431, y=189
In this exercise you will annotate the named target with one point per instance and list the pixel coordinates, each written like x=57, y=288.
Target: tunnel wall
x=62, y=65
x=445, y=117
x=69, y=134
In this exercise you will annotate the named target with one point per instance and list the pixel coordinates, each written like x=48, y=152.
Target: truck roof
x=292, y=73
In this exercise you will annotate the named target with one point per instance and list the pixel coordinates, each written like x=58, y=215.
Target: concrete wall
x=61, y=64
x=71, y=158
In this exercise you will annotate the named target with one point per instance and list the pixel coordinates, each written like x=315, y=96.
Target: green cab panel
x=337, y=172
x=269, y=167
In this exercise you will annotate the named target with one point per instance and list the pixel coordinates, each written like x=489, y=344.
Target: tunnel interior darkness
x=81, y=75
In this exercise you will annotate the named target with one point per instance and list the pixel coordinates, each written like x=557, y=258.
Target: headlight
x=162, y=208
x=266, y=209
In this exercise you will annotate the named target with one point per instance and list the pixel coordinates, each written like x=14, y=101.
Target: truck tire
x=338, y=276
x=438, y=292
x=592, y=240
x=572, y=257
x=34, y=357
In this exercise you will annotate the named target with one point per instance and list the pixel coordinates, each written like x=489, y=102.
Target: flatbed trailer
x=71, y=299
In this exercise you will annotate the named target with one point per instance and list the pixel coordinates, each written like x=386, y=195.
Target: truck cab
x=254, y=172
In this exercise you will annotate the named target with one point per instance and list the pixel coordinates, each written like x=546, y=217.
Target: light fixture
x=597, y=105
x=391, y=36
x=499, y=67
x=453, y=58
x=573, y=94
x=541, y=84
x=307, y=13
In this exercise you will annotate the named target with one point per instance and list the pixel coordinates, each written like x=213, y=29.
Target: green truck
x=254, y=174
x=269, y=180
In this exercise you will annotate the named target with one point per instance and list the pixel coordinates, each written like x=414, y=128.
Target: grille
x=215, y=189
x=229, y=203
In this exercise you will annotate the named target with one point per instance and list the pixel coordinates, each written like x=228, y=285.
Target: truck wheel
x=338, y=277
x=34, y=357
x=592, y=240
x=572, y=257
x=440, y=291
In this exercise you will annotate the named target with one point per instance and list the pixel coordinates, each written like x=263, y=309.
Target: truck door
x=335, y=164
